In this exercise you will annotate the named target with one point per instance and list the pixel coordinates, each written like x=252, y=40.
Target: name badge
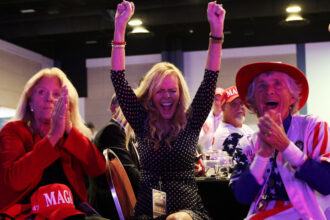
x=158, y=203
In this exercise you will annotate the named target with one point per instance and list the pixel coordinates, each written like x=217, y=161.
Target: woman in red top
x=45, y=143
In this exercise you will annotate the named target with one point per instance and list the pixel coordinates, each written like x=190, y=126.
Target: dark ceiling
x=60, y=28
x=69, y=31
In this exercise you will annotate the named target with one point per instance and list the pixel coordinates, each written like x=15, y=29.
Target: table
x=220, y=200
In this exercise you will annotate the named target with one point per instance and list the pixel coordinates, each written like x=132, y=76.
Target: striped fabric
x=310, y=135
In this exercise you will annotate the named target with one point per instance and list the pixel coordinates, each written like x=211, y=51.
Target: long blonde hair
x=23, y=111
x=148, y=87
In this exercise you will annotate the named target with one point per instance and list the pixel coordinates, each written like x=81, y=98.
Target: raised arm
x=125, y=10
x=133, y=110
x=215, y=16
x=203, y=99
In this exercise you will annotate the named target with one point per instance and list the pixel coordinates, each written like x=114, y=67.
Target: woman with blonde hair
x=148, y=87
x=23, y=111
x=165, y=126
x=46, y=146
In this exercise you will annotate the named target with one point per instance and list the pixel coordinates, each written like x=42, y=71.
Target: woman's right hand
x=125, y=11
x=59, y=117
x=265, y=150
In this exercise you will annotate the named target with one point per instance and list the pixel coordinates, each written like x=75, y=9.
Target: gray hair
x=292, y=85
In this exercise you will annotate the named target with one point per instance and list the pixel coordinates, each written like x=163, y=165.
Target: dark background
x=61, y=29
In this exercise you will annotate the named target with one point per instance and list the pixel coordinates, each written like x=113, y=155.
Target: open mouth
x=271, y=105
x=166, y=104
x=166, y=109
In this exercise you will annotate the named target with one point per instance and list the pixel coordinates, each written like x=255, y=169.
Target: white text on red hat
x=61, y=199
x=231, y=92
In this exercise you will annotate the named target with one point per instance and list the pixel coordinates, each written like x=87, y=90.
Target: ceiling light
x=294, y=17
x=30, y=10
x=293, y=9
x=135, y=22
x=139, y=29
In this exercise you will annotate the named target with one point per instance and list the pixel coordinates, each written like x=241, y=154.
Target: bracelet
x=118, y=43
x=216, y=38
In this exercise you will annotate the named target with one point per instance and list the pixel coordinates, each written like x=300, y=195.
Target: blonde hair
x=23, y=111
x=149, y=86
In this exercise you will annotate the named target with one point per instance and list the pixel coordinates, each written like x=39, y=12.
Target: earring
x=150, y=103
x=31, y=109
x=179, y=101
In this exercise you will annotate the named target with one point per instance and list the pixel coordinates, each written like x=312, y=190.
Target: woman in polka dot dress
x=166, y=128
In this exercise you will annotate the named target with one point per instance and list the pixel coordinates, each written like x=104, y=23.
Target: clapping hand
x=216, y=16
x=60, y=122
x=271, y=131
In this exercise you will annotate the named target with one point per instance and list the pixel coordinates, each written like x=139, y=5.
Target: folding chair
x=120, y=185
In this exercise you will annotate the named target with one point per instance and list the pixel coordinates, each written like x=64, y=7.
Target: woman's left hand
x=125, y=11
x=216, y=16
x=59, y=117
x=272, y=131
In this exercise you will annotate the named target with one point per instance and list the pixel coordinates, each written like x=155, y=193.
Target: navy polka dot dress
x=168, y=169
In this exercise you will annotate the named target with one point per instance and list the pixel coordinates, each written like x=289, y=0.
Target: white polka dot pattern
x=173, y=166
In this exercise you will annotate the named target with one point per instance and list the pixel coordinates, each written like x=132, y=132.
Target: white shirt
x=228, y=136
x=209, y=128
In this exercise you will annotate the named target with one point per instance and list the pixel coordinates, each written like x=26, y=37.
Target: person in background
x=214, y=119
x=284, y=170
x=46, y=144
x=232, y=130
x=114, y=136
x=206, y=136
x=114, y=105
x=165, y=129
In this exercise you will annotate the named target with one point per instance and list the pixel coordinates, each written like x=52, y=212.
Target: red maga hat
x=229, y=95
x=53, y=201
x=247, y=73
